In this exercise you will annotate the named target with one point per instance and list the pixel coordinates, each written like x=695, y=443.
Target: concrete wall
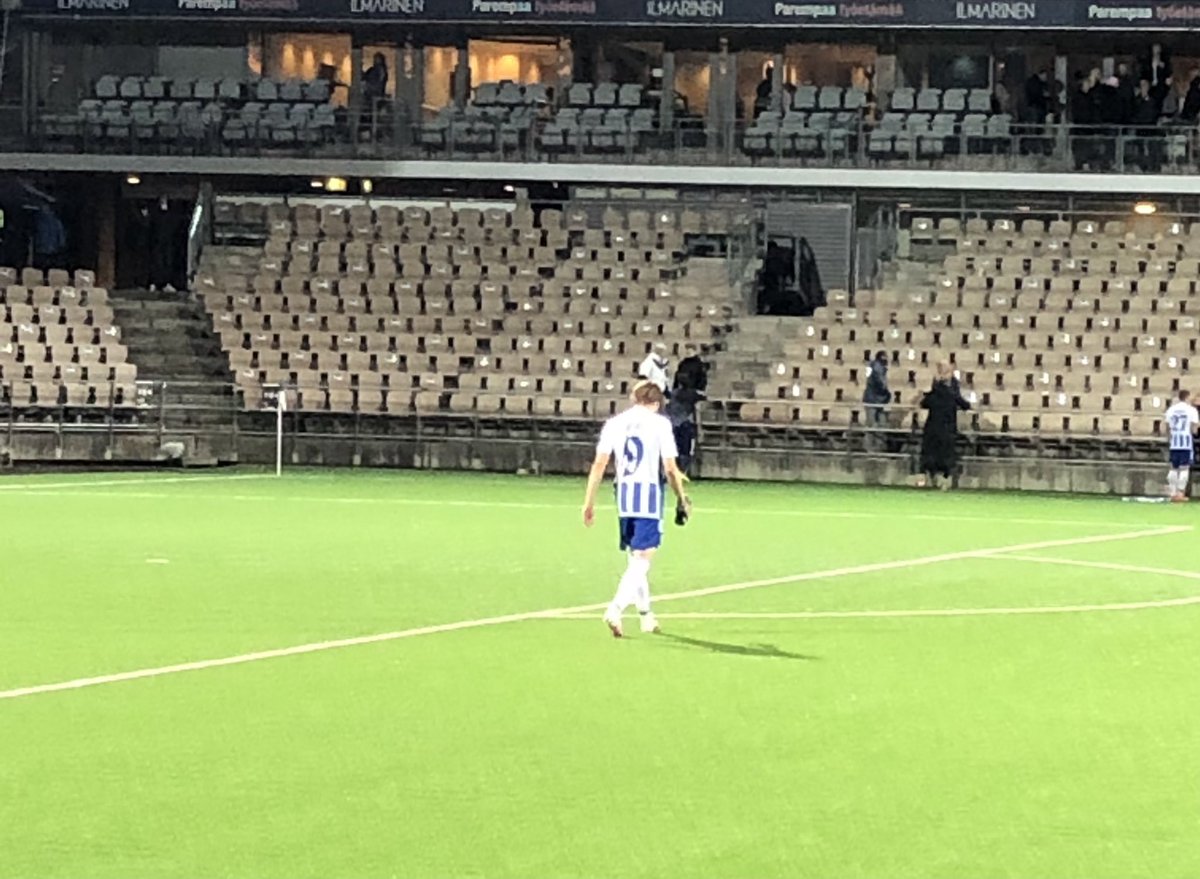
x=1114, y=477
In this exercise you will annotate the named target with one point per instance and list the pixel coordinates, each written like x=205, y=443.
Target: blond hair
x=647, y=393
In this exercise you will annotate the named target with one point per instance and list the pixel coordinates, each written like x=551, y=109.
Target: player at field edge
x=641, y=441
x=1182, y=420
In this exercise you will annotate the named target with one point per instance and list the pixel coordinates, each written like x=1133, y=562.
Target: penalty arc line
x=552, y=613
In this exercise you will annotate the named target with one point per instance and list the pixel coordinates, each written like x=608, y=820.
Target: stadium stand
x=194, y=112
x=475, y=309
x=59, y=345
x=505, y=117
x=1056, y=330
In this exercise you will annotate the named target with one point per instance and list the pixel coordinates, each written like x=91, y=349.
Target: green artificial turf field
x=811, y=725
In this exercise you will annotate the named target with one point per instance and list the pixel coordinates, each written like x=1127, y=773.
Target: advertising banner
x=967, y=14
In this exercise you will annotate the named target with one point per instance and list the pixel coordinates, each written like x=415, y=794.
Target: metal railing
x=166, y=409
x=1015, y=147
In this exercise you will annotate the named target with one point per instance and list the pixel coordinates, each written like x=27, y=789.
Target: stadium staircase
x=170, y=340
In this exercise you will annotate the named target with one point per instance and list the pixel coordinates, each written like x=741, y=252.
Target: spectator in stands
x=762, y=95
x=1191, y=103
x=375, y=80
x=1035, y=111
x=375, y=83
x=692, y=372
x=681, y=410
x=1126, y=90
x=1037, y=98
x=49, y=239
x=1156, y=67
x=654, y=367
x=1086, y=115
x=877, y=395
x=1148, y=148
x=939, y=454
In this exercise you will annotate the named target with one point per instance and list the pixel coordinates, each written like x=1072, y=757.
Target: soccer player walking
x=643, y=446
x=1182, y=420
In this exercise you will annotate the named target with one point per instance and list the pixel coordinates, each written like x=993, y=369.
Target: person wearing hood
x=939, y=455
x=877, y=394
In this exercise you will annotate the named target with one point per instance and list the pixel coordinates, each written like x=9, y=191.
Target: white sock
x=642, y=596
x=1173, y=481
x=1185, y=473
x=631, y=588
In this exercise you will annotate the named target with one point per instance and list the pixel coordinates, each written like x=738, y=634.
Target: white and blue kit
x=1181, y=420
x=639, y=441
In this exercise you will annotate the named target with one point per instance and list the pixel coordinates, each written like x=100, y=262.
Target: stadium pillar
x=722, y=101
x=777, y=62
x=354, y=100
x=462, y=78
x=410, y=90
x=666, y=107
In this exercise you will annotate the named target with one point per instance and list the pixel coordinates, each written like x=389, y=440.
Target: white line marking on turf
x=84, y=490
x=320, y=646
x=1104, y=566
x=43, y=487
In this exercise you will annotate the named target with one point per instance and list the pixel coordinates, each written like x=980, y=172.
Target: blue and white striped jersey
x=1182, y=419
x=639, y=441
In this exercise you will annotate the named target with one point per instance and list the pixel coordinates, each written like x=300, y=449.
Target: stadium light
x=133, y=180
x=368, y=187
x=335, y=184
x=1145, y=208
x=317, y=184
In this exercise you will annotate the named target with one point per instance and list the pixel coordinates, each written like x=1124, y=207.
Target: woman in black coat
x=939, y=455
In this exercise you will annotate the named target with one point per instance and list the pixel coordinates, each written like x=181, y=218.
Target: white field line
x=200, y=665
x=1104, y=566
x=84, y=490
x=1184, y=601
x=44, y=487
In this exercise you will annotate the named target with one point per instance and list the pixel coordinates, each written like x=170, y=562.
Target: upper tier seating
x=189, y=113
x=594, y=118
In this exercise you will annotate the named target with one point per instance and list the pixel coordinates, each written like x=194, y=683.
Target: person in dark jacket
x=877, y=395
x=1191, y=102
x=681, y=410
x=692, y=372
x=939, y=456
x=1148, y=148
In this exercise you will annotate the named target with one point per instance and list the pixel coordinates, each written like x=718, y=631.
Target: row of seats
x=1031, y=424
x=229, y=89
x=359, y=220
x=811, y=97
x=1006, y=232
x=58, y=278
x=507, y=93
x=523, y=398
x=68, y=392
x=934, y=100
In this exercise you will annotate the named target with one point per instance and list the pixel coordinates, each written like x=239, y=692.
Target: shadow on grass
x=767, y=651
